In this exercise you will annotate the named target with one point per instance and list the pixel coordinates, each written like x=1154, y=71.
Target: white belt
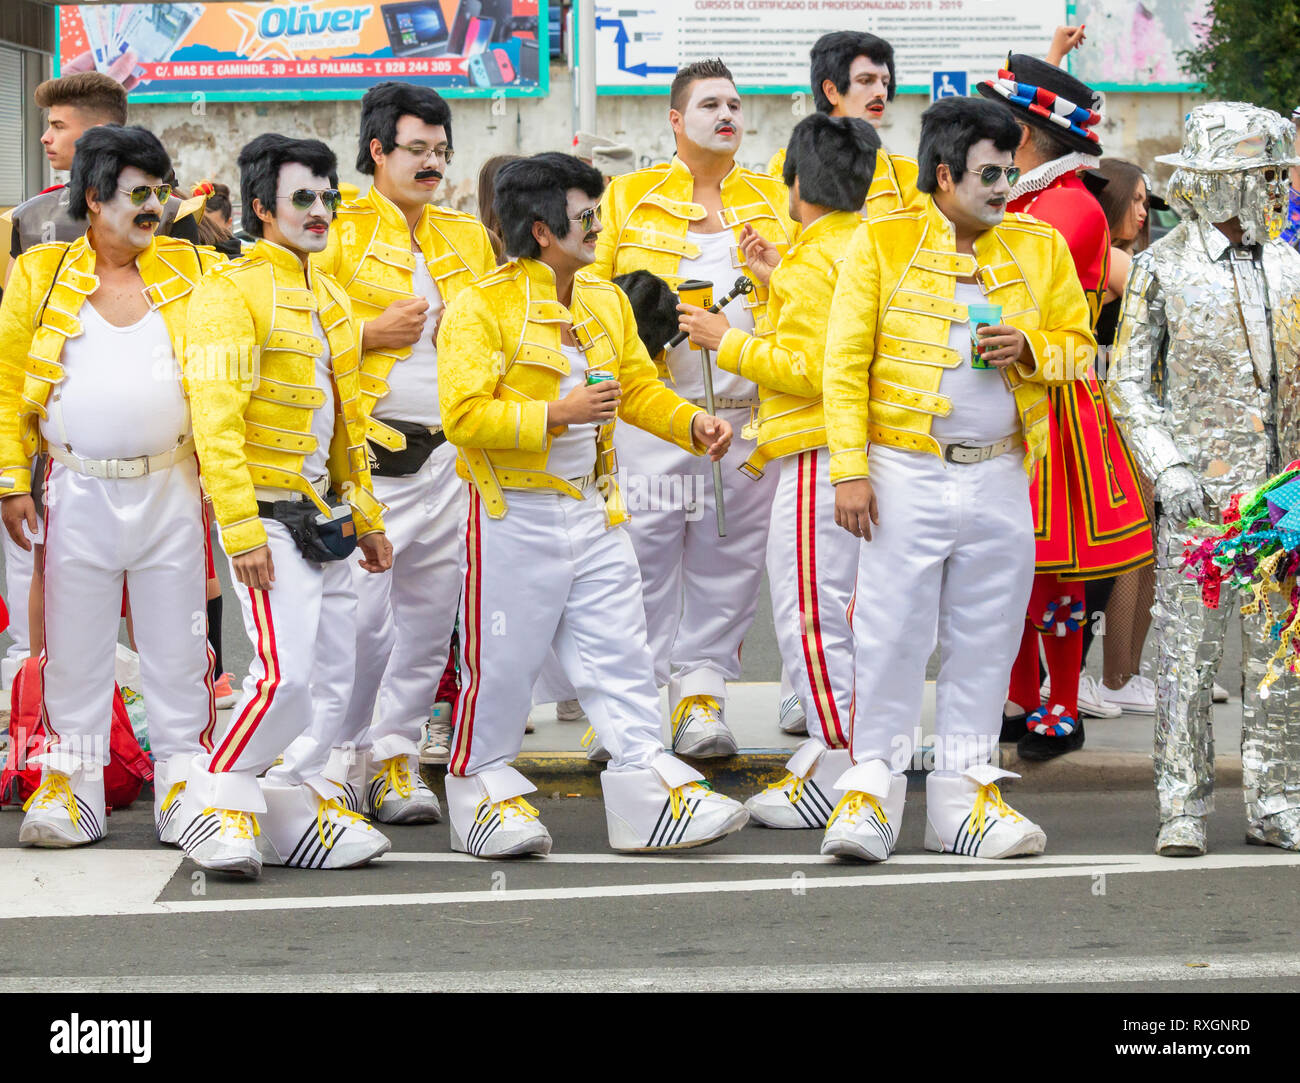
x=727, y=404
x=321, y=485
x=121, y=469
x=965, y=454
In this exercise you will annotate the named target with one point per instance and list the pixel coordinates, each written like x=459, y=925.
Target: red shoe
x=226, y=694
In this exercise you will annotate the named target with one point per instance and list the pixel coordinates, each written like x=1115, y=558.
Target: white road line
x=778, y=976
x=114, y=890
x=687, y=857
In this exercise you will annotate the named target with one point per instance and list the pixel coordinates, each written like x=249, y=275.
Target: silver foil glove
x=1180, y=495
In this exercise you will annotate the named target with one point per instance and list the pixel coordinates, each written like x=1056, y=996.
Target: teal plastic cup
x=978, y=316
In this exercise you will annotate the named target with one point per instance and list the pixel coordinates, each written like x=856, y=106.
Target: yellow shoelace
x=514, y=804
x=333, y=805
x=851, y=804
x=678, y=797
x=705, y=703
x=589, y=738
x=55, y=788
x=242, y=825
x=399, y=780
x=796, y=790
x=177, y=789
x=987, y=794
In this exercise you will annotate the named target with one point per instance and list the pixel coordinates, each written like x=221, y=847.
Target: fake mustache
x=724, y=124
x=426, y=174
x=146, y=219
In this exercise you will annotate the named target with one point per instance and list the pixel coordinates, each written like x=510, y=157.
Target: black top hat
x=1050, y=98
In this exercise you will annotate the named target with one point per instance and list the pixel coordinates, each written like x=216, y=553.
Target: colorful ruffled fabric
x=1257, y=551
x=1291, y=231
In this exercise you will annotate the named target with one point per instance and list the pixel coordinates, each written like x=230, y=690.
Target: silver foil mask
x=1256, y=197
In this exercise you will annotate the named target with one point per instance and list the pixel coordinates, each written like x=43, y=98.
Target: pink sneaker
x=226, y=693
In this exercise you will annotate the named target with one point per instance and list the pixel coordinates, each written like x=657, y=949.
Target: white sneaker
x=866, y=822
x=225, y=840
x=65, y=810
x=398, y=795
x=488, y=820
x=1137, y=695
x=1218, y=693
x=596, y=752
x=699, y=729
x=435, y=736
x=172, y=814
x=792, y=717
x=807, y=794
x=965, y=814
x=311, y=831
x=570, y=710
x=1093, y=701
x=666, y=806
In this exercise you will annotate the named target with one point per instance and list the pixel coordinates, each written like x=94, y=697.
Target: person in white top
x=92, y=339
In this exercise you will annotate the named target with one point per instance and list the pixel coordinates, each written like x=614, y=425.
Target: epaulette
x=507, y=272
x=451, y=212
x=593, y=281
x=1027, y=222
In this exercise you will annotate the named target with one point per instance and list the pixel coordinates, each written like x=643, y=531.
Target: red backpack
x=128, y=768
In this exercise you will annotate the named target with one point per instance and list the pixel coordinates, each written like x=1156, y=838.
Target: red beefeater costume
x=1090, y=521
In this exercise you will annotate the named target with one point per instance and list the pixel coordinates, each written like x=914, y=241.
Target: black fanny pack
x=420, y=444
x=320, y=538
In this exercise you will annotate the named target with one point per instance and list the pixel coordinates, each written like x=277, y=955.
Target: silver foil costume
x=1205, y=381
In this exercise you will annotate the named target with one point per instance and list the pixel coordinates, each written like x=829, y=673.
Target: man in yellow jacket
x=941, y=500
x=535, y=363
x=812, y=564
x=853, y=76
x=271, y=361
x=696, y=218
x=401, y=259
x=91, y=335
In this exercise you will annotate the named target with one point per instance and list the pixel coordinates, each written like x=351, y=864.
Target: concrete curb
x=565, y=774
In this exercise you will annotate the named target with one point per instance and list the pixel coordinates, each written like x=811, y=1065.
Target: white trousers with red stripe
x=308, y=614
x=812, y=569
x=701, y=591
x=951, y=560
x=550, y=573
x=149, y=534
x=405, y=616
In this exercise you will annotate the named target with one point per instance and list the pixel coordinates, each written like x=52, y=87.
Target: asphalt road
x=758, y=911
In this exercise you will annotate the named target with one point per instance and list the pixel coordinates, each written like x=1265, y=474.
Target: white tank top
x=573, y=453
x=413, y=383
x=714, y=264
x=121, y=394
x=983, y=407
x=322, y=418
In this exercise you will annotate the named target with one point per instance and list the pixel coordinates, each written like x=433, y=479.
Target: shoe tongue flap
x=985, y=774
x=674, y=772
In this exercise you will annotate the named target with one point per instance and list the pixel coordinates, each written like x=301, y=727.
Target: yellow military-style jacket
x=646, y=215
x=370, y=255
x=500, y=363
x=887, y=337
x=46, y=290
x=893, y=185
x=786, y=362
x=250, y=363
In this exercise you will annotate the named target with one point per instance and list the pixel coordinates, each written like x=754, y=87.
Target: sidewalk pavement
x=1116, y=755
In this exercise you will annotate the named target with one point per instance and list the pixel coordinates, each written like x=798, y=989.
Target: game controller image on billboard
x=311, y=49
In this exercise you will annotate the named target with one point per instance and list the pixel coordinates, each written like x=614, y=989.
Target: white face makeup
x=301, y=231
x=713, y=119
x=579, y=244
x=971, y=202
x=867, y=93
x=413, y=169
x=114, y=217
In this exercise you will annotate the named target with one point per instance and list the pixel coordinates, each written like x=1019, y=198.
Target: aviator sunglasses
x=304, y=198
